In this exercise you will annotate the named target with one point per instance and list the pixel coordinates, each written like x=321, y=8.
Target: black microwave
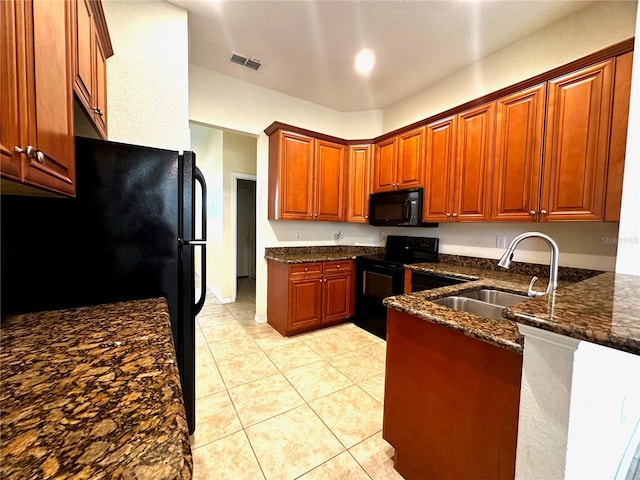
x=402, y=208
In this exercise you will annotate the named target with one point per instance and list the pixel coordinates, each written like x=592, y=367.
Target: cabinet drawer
x=305, y=269
x=338, y=266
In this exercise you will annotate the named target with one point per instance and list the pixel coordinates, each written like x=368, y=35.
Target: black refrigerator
x=128, y=234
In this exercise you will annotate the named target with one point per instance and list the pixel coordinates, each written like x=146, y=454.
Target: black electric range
x=381, y=276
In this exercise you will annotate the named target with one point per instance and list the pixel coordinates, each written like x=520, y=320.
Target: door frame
x=234, y=227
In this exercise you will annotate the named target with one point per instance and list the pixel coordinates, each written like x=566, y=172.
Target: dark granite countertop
x=600, y=307
x=92, y=392
x=503, y=333
x=318, y=253
x=604, y=310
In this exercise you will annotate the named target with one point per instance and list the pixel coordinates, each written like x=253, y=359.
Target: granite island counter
x=92, y=392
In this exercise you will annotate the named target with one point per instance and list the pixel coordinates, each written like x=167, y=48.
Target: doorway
x=245, y=236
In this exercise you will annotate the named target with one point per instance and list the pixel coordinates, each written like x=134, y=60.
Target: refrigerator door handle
x=202, y=242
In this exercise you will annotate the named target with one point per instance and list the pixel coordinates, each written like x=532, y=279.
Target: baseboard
x=260, y=318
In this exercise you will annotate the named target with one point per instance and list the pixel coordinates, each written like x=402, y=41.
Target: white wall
x=207, y=143
x=221, y=101
x=629, y=236
x=147, y=77
x=589, y=30
x=239, y=157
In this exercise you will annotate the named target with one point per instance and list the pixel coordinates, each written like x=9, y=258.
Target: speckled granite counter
x=93, y=393
x=319, y=253
x=604, y=310
x=478, y=272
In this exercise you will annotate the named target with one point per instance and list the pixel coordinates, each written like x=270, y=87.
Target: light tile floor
x=270, y=407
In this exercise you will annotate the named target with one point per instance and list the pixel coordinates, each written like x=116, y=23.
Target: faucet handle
x=531, y=292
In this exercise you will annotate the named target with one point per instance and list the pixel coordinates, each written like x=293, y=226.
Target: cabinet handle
x=98, y=110
x=532, y=212
x=454, y=214
x=30, y=153
x=543, y=212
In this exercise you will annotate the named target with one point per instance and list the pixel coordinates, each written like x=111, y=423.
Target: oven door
x=376, y=280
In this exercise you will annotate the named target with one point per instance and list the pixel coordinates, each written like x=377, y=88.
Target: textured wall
x=147, y=77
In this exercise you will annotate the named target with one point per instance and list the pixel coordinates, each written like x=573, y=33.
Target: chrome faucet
x=506, y=258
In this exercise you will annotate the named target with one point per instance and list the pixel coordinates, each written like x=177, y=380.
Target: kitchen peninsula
x=92, y=392
x=477, y=385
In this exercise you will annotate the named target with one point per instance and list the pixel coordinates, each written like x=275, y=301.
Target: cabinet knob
x=306, y=269
x=454, y=214
x=98, y=110
x=532, y=212
x=448, y=214
x=366, y=216
x=338, y=266
x=543, y=212
x=31, y=153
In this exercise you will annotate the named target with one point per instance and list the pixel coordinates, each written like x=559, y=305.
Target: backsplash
x=569, y=274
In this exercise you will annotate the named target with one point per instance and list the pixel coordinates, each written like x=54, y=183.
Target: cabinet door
x=295, y=191
x=100, y=89
x=410, y=159
x=384, y=166
x=359, y=164
x=330, y=169
x=336, y=297
x=305, y=302
x=337, y=291
x=473, y=164
x=439, y=171
x=12, y=61
x=618, y=142
x=84, y=52
x=576, y=144
x=518, y=156
x=43, y=94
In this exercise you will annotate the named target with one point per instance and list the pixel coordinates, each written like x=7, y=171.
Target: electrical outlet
x=298, y=234
x=337, y=235
x=501, y=241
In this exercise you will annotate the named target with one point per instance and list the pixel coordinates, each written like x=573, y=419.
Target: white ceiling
x=308, y=47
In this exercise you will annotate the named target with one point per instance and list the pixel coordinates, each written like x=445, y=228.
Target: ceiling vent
x=252, y=63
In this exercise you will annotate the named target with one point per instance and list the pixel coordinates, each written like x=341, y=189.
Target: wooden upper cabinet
x=92, y=47
x=618, y=140
x=474, y=151
x=577, y=144
x=518, y=156
x=37, y=112
x=330, y=179
x=399, y=162
x=306, y=178
x=439, y=171
x=359, y=182
x=295, y=177
x=384, y=166
x=410, y=159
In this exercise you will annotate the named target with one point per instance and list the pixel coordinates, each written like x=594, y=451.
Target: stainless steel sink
x=484, y=302
x=470, y=305
x=495, y=297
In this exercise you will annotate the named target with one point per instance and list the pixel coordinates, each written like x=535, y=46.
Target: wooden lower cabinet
x=451, y=402
x=307, y=296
